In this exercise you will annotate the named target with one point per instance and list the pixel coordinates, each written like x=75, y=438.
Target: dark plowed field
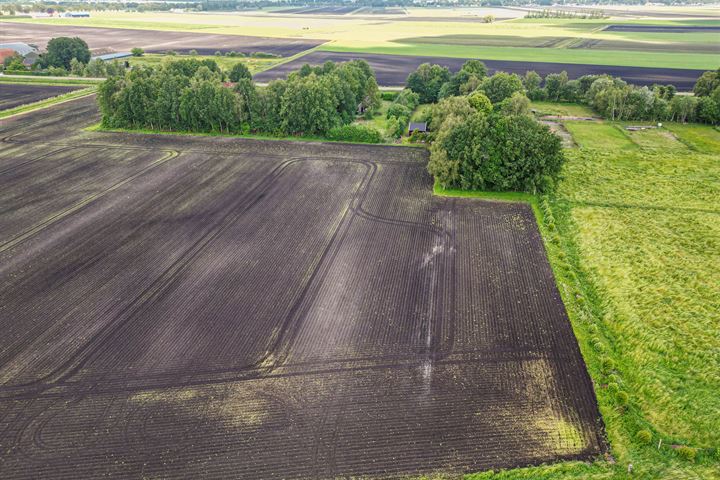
x=152, y=41
x=392, y=70
x=196, y=307
x=14, y=95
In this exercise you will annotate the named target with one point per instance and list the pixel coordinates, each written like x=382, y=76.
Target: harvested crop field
x=15, y=95
x=153, y=41
x=392, y=70
x=208, y=307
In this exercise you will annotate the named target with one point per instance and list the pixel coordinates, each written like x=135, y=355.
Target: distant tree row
x=615, y=99
x=189, y=95
x=610, y=97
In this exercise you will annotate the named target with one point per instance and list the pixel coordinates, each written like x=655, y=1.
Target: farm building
x=76, y=14
x=30, y=59
x=417, y=127
x=5, y=53
x=19, y=48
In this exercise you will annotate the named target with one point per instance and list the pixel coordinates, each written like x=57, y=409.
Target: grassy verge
x=47, y=102
x=292, y=138
x=55, y=81
x=632, y=238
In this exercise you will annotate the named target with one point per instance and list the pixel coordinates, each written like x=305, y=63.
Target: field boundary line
x=82, y=203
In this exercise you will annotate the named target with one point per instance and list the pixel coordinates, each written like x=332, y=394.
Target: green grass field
x=633, y=235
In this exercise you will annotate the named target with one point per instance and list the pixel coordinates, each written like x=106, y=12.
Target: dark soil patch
x=153, y=41
x=15, y=95
x=392, y=70
x=197, y=307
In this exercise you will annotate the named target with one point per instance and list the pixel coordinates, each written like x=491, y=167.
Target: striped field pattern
x=206, y=307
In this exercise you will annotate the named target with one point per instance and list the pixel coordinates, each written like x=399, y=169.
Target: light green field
x=564, y=109
x=545, y=40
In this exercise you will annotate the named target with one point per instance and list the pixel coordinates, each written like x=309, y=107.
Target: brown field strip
x=15, y=95
x=262, y=309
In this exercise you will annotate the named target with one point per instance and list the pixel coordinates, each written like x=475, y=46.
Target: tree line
x=192, y=95
x=483, y=136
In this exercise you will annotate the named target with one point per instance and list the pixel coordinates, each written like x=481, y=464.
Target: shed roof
x=21, y=48
x=112, y=56
x=417, y=126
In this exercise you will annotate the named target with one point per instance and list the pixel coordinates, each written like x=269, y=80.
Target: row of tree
x=610, y=97
x=190, y=95
x=615, y=99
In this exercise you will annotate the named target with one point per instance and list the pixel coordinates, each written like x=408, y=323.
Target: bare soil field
x=392, y=70
x=14, y=95
x=124, y=39
x=207, y=307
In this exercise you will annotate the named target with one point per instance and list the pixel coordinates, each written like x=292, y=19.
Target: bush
x=137, y=52
x=193, y=52
x=398, y=111
x=57, y=72
x=622, y=398
x=264, y=55
x=688, y=453
x=389, y=96
x=408, y=98
x=354, y=133
x=239, y=71
x=644, y=436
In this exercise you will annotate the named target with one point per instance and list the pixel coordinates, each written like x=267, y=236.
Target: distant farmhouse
x=29, y=53
x=75, y=14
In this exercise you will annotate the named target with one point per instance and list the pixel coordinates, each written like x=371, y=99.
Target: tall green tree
x=61, y=51
x=427, y=80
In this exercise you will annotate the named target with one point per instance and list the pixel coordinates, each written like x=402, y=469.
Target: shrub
x=644, y=436
x=354, y=133
x=408, y=98
x=239, y=71
x=388, y=96
x=622, y=398
x=398, y=111
x=137, y=52
x=607, y=364
x=264, y=55
x=57, y=72
x=688, y=453
x=193, y=52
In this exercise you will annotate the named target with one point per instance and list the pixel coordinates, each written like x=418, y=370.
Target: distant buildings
x=76, y=14
x=21, y=49
x=29, y=53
